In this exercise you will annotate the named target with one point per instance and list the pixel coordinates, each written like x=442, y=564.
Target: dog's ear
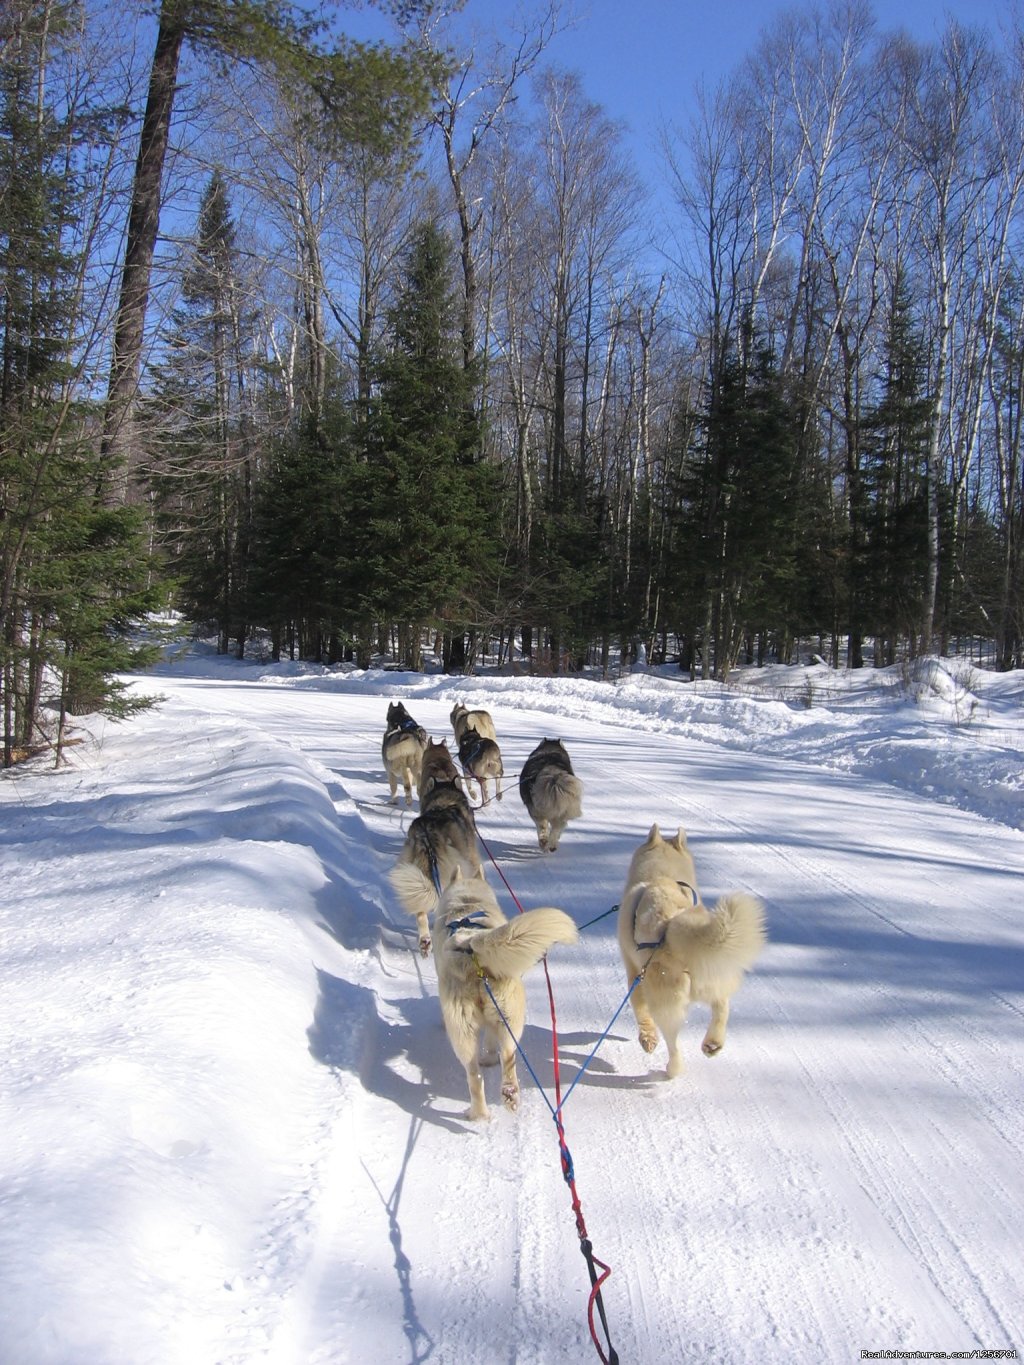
x=679, y=840
x=456, y=876
x=655, y=836
x=479, y=875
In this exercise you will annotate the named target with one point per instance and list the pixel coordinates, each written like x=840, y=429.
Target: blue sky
x=641, y=59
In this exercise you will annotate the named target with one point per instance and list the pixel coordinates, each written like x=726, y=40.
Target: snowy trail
x=849, y=1145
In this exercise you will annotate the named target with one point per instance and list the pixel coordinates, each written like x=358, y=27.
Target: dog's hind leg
x=423, y=925
x=465, y=1044
x=509, y=1079
x=714, y=1039
x=489, y=1048
x=393, y=784
x=408, y=785
x=544, y=834
x=507, y=1018
x=477, y=1103
x=670, y=1016
x=670, y=1032
x=648, y=1032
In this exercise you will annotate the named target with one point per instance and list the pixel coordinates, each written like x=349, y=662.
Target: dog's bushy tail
x=726, y=939
x=559, y=791
x=512, y=948
x=415, y=890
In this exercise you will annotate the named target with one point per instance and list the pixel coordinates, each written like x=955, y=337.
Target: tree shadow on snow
x=421, y=1343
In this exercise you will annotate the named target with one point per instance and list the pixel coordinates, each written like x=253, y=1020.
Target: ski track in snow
x=845, y=1176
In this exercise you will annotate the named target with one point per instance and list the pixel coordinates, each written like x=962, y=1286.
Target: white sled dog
x=402, y=750
x=689, y=952
x=472, y=936
x=440, y=842
x=480, y=721
x=551, y=791
x=480, y=758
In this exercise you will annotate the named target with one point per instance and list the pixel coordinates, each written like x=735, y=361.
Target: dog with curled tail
x=481, y=957
x=680, y=950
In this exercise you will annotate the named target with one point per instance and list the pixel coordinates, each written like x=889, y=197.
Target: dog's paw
x=648, y=1039
x=425, y=946
x=711, y=1047
x=510, y=1097
x=477, y=1115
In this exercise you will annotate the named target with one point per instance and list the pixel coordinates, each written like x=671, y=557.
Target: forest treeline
x=350, y=349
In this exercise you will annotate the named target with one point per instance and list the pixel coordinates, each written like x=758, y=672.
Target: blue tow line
x=555, y=1111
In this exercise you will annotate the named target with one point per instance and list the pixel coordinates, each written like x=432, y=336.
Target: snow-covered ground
x=230, y=1121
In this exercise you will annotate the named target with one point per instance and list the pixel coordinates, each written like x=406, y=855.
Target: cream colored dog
x=479, y=955
x=681, y=950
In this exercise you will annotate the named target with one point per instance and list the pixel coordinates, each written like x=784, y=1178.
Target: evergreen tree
x=72, y=577
x=892, y=569
x=421, y=506
x=740, y=526
x=302, y=580
x=199, y=432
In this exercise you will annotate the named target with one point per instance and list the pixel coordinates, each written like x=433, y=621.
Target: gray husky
x=437, y=766
x=441, y=841
x=480, y=758
x=684, y=951
x=551, y=791
x=402, y=750
x=481, y=721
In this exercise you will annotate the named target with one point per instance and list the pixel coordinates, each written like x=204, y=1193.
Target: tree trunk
x=143, y=224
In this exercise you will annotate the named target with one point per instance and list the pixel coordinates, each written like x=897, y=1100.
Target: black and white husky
x=551, y=791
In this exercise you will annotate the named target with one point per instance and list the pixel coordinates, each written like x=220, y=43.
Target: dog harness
x=477, y=920
x=403, y=729
x=685, y=886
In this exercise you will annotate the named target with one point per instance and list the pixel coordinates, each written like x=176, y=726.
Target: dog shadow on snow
x=400, y=1052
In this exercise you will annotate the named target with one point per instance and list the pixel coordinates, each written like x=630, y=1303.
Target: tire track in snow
x=876, y=1148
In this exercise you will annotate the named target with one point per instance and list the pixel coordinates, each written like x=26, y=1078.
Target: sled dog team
x=679, y=950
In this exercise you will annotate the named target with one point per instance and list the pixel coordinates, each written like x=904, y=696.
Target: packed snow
x=232, y=1123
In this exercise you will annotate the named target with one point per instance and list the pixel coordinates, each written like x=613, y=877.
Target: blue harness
x=657, y=944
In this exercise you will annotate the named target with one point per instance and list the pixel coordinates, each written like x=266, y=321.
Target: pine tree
x=739, y=532
x=893, y=566
x=72, y=576
x=420, y=506
x=202, y=443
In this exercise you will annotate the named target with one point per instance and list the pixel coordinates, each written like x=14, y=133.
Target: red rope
x=596, y=1280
